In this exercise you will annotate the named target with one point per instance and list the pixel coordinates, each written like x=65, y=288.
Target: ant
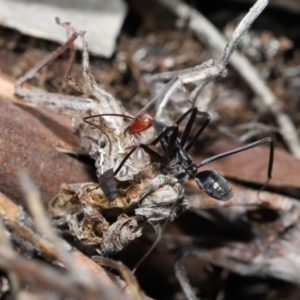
x=176, y=161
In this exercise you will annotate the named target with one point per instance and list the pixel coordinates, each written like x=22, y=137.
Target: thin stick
x=127, y=275
x=50, y=57
x=211, y=69
x=20, y=224
x=158, y=239
x=183, y=279
x=13, y=277
x=242, y=28
x=32, y=195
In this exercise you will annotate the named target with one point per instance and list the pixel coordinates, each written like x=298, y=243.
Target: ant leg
x=153, y=154
x=194, y=112
x=201, y=129
x=162, y=132
x=172, y=141
x=107, y=184
x=189, y=125
x=123, y=161
x=243, y=148
x=109, y=187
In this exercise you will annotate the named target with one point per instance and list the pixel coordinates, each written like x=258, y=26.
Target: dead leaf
x=27, y=141
x=252, y=165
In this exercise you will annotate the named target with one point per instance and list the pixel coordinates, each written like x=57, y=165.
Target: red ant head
x=140, y=123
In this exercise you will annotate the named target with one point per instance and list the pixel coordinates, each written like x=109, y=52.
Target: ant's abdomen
x=214, y=185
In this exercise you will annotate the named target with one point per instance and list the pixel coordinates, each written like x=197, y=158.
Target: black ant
x=176, y=161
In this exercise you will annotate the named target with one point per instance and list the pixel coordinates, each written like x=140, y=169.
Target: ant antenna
x=138, y=124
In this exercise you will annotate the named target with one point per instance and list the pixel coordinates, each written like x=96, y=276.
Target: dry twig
x=41, y=220
x=211, y=36
x=26, y=235
x=273, y=249
x=132, y=283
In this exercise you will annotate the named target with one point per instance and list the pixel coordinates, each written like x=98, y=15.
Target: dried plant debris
x=104, y=147
x=82, y=211
x=107, y=149
x=126, y=274
x=40, y=279
x=142, y=184
x=291, y=5
x=105, y=139
x=270, y=228
x=211, y=36
x=98, y=120
x=31, y=145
